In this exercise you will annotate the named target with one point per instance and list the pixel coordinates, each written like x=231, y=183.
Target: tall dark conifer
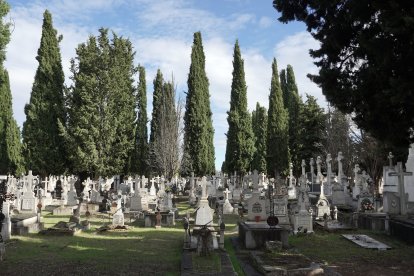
x=277, y=129
x=46, y=107
x=139, y=162
x=101, y=103
x=283, y=86
x=294, y=106
x=313, y=129
x=240, y=137
x=259, y=124
x=198, y=127
x=155, y=118
x=10, y=146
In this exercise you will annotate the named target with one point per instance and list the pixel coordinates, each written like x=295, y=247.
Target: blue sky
x=162, y=34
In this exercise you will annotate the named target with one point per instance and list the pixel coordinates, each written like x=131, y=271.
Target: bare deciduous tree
x=166, y=149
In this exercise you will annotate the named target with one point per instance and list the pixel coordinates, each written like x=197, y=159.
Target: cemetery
x=96, y=179
x=191, y=230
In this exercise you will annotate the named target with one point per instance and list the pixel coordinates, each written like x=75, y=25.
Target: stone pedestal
x=25, y=223
x=167, y=219
x=302, y=221
x=204, y=213
x=227, y=208
x=118, y=219
x=29, y=203
x=6, y=230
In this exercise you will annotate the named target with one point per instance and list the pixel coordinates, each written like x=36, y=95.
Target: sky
x=162, y=34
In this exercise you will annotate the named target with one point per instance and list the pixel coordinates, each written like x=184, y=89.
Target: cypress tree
x=10, y=146
x=46, y=107
x=240, y=137
x=313, y=129
x=101, y=106
x=283, y=86
x=294, y=107
x=259, y=124
x=198, y=127
x=121, y=103
x=140, y=156
x=277, y=128
x=11, y=159
x=155, y=119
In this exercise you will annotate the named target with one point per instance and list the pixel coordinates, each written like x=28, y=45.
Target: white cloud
x=163, y=39
x=265, y=21
x=294, y=50
x=22, y=51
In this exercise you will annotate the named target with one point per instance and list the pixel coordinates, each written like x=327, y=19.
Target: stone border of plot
x=313, y=269
x=187, y=265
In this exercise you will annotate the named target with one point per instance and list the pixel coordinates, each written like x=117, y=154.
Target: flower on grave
x=366, y=205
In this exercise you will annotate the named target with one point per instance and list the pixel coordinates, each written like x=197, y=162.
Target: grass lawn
x=349, y=259
x=137, y=251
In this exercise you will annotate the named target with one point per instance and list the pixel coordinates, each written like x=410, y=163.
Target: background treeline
x=98, y=126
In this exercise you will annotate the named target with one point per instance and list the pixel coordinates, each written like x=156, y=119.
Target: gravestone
x=338, y=194
x=329, y=176
x=323, y=206
x=292, y=192
x=403, y=196
x=357, y=183
x=256, y=204
x=153, y=191
x=280, y=203
x=28, y=199
x=204, y=212
x=227, y=208
x=6, y=229
x=366, y=241
x=118, y=218
x=72, y=197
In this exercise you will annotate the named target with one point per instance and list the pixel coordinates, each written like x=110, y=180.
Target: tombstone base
x=372, y=221
x=167, y=219
x=402, y=228
x=254, y=235
x=23, y=224
x=63, y=211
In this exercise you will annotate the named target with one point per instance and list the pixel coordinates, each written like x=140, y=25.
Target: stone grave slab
x=334, y=225
x=366, y=241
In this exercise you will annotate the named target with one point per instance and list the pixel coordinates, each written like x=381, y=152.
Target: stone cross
x=329, y=167
x=312, y=169
x=356, y=171
x=226, y=194
x=303, y=167
x=290, y=174
x=401, y=189
x=255, y=180
x=262, y=177
x=29, y=182
x=390, y=157
x=318, y=165
x=152, y=182
x=204, y=187
x=340, y=170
